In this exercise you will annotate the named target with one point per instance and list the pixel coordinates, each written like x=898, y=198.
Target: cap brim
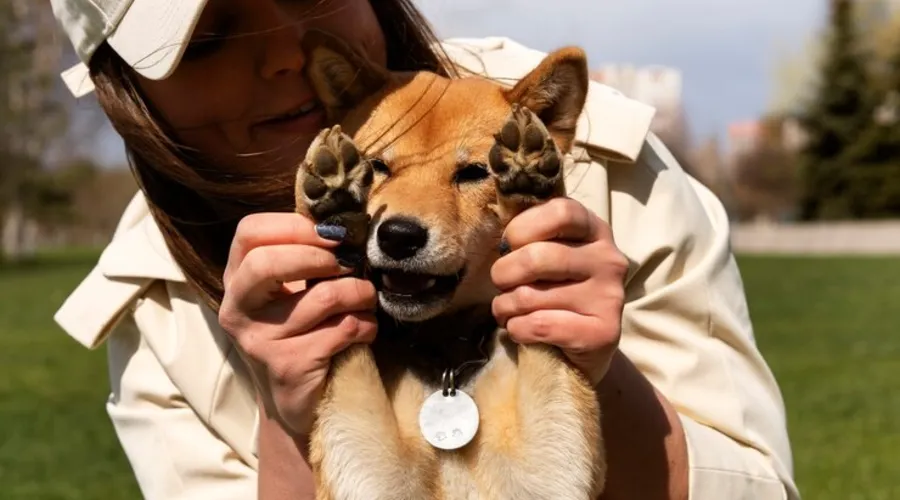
x=153, y=34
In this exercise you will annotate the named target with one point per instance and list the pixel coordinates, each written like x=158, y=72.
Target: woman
x=215, y=114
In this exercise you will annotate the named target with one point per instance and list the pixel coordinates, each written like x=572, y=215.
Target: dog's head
x=435, y=231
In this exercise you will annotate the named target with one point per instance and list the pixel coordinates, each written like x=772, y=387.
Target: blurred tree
x=31, y=114
x=840, y=109
x=875, y=182
x=98, y=205
x=765, y=182
x=51, y=194
x=795, y=70
x=884, y=37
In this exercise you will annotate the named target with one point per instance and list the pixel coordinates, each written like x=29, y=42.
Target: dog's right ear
x=556, y=91
x=340, y=76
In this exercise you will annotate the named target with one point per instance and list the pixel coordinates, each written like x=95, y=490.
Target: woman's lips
x=307, y=120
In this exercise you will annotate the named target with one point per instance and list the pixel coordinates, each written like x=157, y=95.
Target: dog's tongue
x=406, y=283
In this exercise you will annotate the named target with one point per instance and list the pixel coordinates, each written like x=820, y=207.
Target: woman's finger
x=557, y=219
x=579, y=297
x=309, y=309
x=291, y=371
x=290, y=358
x=567, y=330
x=543, y=261
x=296, y=366
x=257, y=230
x=340, y=332
x=260, y=277
x=587, y=341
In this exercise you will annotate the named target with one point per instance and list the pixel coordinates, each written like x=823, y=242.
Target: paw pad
x=524, y=159
x=334, y=178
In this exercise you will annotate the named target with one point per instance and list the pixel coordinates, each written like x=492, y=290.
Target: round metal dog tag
x=449, y=422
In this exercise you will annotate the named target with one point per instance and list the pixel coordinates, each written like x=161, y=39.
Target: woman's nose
x=280, y=49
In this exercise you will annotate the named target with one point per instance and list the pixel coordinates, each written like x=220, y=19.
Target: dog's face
x=435, y=231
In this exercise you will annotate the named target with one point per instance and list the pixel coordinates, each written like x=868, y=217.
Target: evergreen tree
x=875, y=182
x=834, y=119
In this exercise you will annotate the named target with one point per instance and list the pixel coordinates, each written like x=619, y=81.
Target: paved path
x=854, y=238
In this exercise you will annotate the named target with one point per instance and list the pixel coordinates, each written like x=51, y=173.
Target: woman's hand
x=562, y=283
x=289, y=333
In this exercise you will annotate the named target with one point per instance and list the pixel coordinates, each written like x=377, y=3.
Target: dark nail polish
x=331, y=232
x=504, y=247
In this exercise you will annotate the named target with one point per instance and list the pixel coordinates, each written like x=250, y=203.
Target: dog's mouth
x=415, y=286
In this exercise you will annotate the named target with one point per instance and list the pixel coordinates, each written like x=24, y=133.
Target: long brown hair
x=197, y=206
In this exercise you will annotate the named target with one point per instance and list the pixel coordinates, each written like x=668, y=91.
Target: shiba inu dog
x=425, y=172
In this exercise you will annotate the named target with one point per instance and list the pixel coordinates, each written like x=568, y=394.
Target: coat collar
x=138, y=249
x=136, y=258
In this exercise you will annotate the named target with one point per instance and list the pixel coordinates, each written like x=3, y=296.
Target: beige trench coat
x=185, y=412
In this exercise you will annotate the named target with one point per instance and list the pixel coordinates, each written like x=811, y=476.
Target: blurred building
x=742, y=137
x=663, y=87
x=658, y=86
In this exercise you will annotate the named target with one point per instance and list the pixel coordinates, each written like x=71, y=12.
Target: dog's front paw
x=525, y=162
x=333, y=183
x=334, y=178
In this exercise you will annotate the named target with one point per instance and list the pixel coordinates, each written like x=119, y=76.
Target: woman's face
x=239, y=96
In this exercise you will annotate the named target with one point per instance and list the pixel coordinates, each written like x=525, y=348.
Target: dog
x=425, y=172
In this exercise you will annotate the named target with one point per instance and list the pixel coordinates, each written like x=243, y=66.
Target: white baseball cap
x=149, y=35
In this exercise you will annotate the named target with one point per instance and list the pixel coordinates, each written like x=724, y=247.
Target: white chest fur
x=538, y=434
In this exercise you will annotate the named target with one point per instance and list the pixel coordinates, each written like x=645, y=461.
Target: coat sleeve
x=173, y=452
x=183, y=416
x=687, y=327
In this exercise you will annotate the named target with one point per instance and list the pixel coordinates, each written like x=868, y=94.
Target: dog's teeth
x=387, y=281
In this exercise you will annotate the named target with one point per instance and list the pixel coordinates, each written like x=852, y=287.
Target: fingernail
x=331, y=232
x=504, y=247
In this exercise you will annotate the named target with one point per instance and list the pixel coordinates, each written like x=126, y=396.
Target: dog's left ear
x=340, y=76
x=556, y=91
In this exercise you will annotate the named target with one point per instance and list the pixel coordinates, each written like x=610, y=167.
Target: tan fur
x=539, y=435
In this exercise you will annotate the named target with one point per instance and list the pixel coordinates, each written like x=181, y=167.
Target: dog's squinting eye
x=380, y=167
x=472, y=172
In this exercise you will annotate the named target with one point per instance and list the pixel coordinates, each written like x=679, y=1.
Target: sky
x=725, y=49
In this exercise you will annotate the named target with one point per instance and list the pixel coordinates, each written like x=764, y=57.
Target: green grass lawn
x=829, y=327
x=56, y=441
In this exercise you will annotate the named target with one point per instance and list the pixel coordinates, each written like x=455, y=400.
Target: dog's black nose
x=400, y=238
